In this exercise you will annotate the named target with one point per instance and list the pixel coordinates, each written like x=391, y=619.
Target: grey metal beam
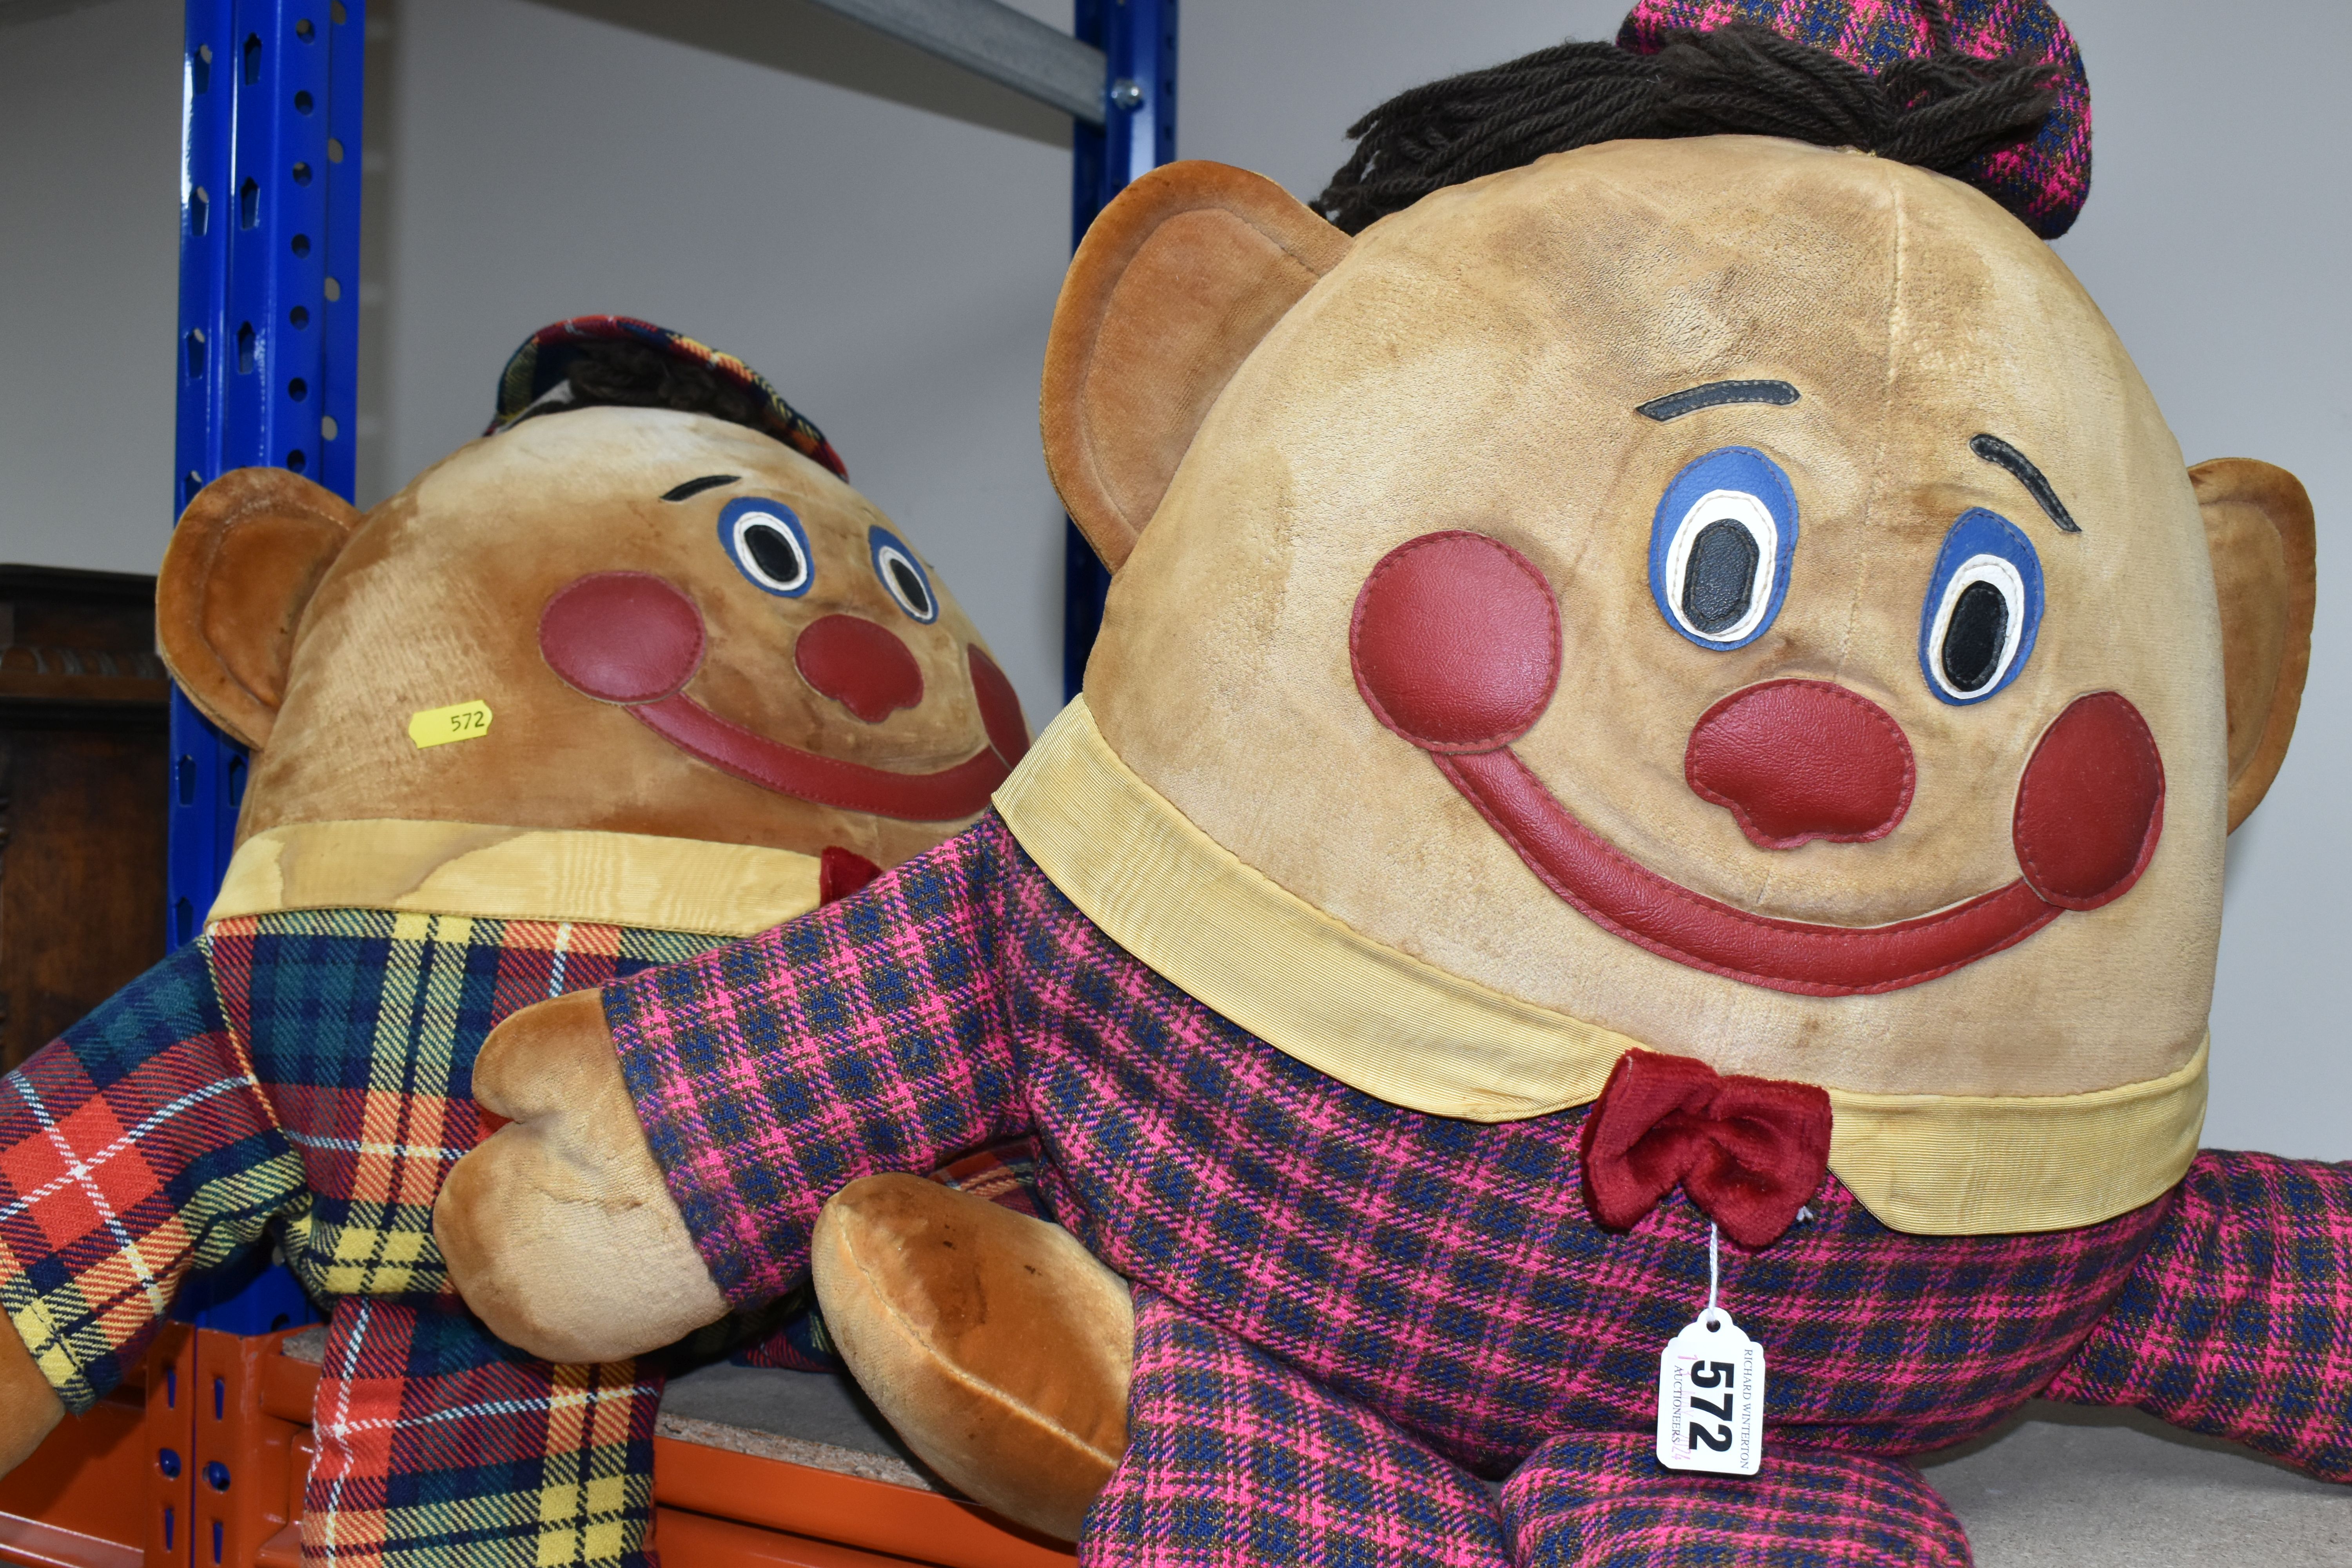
x=32, y=10
x=989, y=38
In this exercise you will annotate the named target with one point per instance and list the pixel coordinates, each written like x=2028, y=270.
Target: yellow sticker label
x=439, y=726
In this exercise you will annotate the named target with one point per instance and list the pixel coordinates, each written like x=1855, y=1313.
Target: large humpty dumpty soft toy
x=1669, y=710
x=637, y=673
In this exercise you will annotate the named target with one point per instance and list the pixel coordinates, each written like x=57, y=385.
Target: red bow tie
x=1749, y=1151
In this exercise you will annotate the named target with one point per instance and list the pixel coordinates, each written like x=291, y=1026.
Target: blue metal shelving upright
x=266, y=367
x=1137, y=39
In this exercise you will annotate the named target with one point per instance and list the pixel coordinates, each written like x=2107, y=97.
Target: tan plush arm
x=30, y=1408
x=558, y=1230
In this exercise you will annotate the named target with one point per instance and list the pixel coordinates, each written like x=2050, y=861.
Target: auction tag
x=439, y=726
x=1711, y=1398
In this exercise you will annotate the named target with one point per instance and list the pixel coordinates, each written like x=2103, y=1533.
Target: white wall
x=724, y=166
x=89, y=193
x=890, y=269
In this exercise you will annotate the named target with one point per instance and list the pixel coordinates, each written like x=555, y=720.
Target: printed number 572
x=1712, y=1374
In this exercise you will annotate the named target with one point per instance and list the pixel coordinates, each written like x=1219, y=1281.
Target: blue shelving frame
x=1137, y=39
x=269, y=225
x=266, y=374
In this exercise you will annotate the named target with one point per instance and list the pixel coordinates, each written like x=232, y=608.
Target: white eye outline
x=888, y=550
x=1763, y=528
x=2004, y=575
x=750, y=562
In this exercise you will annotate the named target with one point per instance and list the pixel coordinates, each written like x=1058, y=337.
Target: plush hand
x=30, y=1408
x=996, y=1343
x=558, y=1230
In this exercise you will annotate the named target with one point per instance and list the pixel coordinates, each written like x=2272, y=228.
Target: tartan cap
x=2044, y=181
x=545, y=363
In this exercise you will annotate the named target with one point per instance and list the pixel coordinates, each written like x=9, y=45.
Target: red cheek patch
x=1794, y=760
x=622, y=636
x=1000, y=707
x=1456, y=642
x=2091, y=806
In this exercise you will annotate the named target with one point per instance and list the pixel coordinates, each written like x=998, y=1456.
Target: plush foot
x=1237, y=1458
x=996, y=1344
x=1603, y=1501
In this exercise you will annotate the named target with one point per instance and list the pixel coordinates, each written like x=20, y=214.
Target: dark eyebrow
x=696, y=487
x=1995, y=450
x=1715, y=393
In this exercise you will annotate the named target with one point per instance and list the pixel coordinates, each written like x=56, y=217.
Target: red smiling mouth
x=1456, y=647
x=943, y=796
x=634, y=639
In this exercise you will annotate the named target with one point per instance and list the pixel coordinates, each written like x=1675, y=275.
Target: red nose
x=1799, y=760
x=863, y=666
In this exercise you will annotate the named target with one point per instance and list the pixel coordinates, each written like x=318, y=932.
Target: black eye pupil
x=1719, y=579
x=910, y=587
x=772, y=551
x=1975, y=637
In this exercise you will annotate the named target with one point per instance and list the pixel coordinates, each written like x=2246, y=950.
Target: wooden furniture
x=84, y=766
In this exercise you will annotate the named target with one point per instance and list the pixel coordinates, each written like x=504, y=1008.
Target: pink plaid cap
x=2042, y=181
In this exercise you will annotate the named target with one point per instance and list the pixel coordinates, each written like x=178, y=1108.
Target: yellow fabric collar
x=1406, y=1032
x=514, y=873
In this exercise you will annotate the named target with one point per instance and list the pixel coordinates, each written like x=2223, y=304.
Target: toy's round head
x=1732, y=596
x=682, y=620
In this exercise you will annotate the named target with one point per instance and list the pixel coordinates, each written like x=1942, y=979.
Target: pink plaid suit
x=1354, y=1319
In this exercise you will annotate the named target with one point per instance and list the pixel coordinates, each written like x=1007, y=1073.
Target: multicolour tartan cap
x=2042, y=181
x=544, y=362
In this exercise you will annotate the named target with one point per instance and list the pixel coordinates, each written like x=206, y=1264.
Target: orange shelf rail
x=199, y=1463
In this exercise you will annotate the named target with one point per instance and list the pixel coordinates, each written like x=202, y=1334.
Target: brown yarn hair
x=1942, y=113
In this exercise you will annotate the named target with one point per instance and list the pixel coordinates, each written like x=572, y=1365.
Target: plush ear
x=1172, y=288
x=2258, y=524
x=242, y=564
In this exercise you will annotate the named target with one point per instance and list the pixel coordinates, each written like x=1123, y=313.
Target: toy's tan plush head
x=1727, y=595
x=680, y=626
